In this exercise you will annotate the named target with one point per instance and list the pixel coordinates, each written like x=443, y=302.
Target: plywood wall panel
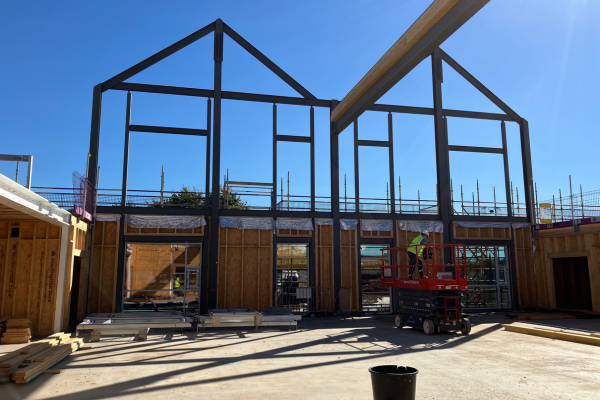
x=349, y=265
x=245, y=270
x=324, y=267
x=23, y=274
x=103, y=268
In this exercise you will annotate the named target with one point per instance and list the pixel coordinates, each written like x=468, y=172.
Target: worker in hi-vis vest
x=415, y=252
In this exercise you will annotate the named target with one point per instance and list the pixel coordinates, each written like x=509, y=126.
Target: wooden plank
x=584, y=339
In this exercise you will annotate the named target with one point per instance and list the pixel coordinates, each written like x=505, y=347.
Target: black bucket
x=391, y=382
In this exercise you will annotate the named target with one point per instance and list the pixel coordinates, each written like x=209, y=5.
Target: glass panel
x=504, y=293
x=161, y=300
x=502, y=275
x=193, y=256
x=299, y=263
x=481, y=265
x=292, y=250
x=192, y=278
x=148, y=267
x=284, y=263
x=372, y=250
x=192, y=302
x=482, y=297
x=502, y=256
x=178, y=251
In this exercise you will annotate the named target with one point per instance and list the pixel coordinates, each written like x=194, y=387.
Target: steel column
x=312, y=161
x=527, y=171
x=356, y=170
x=441, y=146
x=95, y=135
x=335, y=210
x=391, y=161
x=274, y=197
x=126, y=152
x=208, y=150
x=216, y=169
x=506, y=170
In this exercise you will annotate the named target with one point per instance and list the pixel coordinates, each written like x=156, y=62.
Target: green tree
x=194, y=198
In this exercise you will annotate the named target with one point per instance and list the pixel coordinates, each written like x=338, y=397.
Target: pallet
x=553, y=333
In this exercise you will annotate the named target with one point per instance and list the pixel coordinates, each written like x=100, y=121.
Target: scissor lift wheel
x=399, y=321
x=466, y=326
x=428, y=326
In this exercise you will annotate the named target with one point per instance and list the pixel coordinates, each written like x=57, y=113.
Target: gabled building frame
x=214, y=148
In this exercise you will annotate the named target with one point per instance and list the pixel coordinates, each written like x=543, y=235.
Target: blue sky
x=540, y=57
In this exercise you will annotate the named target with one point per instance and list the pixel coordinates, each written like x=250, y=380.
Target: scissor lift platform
x=434, y=301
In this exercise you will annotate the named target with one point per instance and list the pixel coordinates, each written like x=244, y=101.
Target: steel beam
x=126, y=152
x=474, y=149
x=374, y=143
x=477, y=115
x=402, y=58
x=267, y=62
x=296, y=139
x=161, y=55
x=166, y=129
x=216, y=168
x=479, y=86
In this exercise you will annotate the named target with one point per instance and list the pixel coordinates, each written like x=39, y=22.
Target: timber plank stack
x=23, y=365
x=18, y=330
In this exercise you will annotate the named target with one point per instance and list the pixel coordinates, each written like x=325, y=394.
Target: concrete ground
x=325, y=359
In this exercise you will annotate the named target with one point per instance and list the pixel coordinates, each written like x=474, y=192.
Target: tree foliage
x=194, y=198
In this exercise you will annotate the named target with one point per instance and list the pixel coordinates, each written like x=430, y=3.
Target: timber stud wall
x=29, y=274
x=103, y=269
x=245, y=278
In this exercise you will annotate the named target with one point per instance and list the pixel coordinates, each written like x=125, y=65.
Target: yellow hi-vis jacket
x=176, y=283
x=416, y=247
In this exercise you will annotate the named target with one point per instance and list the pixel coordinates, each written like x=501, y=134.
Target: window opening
x=292, y=277
x=375, y=298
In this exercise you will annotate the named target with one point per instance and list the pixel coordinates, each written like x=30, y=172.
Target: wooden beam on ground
x=578, y=338
x=436, y=24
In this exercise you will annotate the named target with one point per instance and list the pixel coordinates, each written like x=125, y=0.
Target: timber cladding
x=324, y=267
x=29, y=263
x=562, y=243
x=103, y=268
x=245, y=274
x=130, y=231
x=349, y=265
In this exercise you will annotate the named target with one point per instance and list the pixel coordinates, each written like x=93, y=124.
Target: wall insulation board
x=76, y=248
x=560, y=243
x=29, y=271
x=103, y=268
x=293, y=233
x=245, y=274
x=526, y=279
x=324, y=267
x=404, y=238
x=349, y=265
x=461, y=232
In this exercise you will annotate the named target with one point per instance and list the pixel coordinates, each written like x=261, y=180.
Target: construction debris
x=25, y=364
x=17, y=331
x=555, y=333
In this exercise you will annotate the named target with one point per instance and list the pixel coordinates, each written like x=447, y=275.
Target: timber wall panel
x=28, y=273
x=461, y=232
x=103, y=269
x=349, y=265
x=130, y=231
x=293, y=233
x=245, y=273
x=324, y=266
x=526, y=279
x=536, y=279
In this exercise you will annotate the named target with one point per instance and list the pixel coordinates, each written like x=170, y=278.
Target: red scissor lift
x=434, y=300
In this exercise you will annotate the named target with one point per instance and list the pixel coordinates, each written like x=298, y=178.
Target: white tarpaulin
x=420, y=226
x=376, y=224
x=323, y=221
x=108, y=217
x=166, y=222
x=302, y=224
x=483, y=224
x=246, y=223
x=348, y=224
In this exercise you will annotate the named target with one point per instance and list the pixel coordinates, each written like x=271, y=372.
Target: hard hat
x=425, y=233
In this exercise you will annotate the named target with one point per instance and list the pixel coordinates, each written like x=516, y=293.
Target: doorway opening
x=572, y=283
x=375, y=298
x=293, y=289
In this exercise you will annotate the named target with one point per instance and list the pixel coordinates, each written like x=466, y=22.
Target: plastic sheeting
x=263, y=224
x=483, y=224
x=108, y=217
x=323, y=221
x=520, y=225
x=164, y=221
x=376, y=224
x=420, y=226
x=348, y=224
x=302, y=224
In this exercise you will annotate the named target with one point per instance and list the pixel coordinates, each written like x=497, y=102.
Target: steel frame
x=213, y=134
